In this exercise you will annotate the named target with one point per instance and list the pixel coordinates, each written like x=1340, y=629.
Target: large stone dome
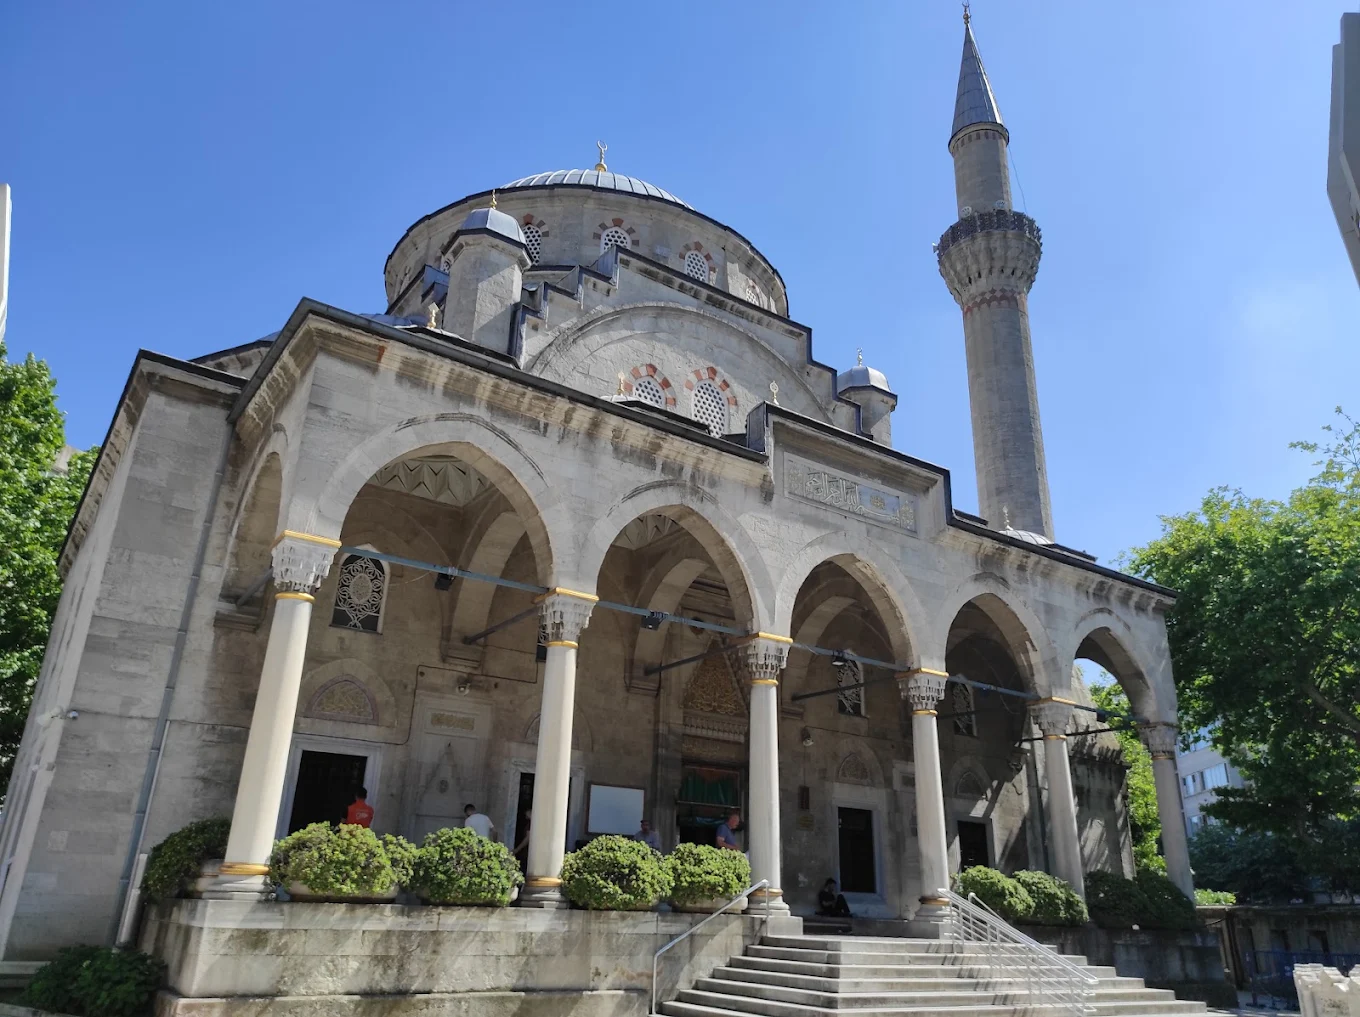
x=600, y=180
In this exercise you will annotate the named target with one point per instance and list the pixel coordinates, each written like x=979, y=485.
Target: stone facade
x=721, y=528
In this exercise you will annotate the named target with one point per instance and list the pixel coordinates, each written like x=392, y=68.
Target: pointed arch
x=1024, y=635
x=1102, y=636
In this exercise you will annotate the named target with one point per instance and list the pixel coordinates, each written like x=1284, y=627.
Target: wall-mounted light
x=839, y=659
x=443, y=581
x=653, y=620
x=807, y=737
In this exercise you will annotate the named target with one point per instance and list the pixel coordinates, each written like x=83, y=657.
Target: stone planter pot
x=708, y=907
x=514, y=896
x=302, y=893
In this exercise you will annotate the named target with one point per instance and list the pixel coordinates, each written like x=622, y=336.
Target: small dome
x=495, y=221
x=600, y=180
x=860, y=376
x=1028, y=536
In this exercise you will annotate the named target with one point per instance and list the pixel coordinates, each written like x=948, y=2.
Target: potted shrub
x=1055, y=902
x=615, y=873
x=456, y=866
x=177, y=863
x=998, y=891
x=347, y=864
x=705, y=878
x=96, y=981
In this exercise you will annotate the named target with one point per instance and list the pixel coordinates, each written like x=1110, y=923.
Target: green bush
x=346, y=862
x=1169, y=908
x=95, y=981
x=700, y=873
x=1055, y=902
x=179, y=858
x=402, y=854
x=1212, y=898
x=998, y=891
x=615, y=874
x=455, y=866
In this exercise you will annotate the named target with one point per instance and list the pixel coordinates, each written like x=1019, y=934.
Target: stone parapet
x=990, y=252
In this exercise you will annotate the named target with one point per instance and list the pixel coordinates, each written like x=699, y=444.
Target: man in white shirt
x=478, y=823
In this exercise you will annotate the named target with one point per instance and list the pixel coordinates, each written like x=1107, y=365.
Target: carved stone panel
x=813, y=482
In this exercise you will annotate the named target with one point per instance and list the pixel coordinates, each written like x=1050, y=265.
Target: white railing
x=656, y=959
x=1051, y=980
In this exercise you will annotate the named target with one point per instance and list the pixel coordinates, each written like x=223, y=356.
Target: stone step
x=845, y=997
x=882, y=951
x=701, y=1003
x=886, y=944
x=896, y=958
x=891, y=970
x=850, y=979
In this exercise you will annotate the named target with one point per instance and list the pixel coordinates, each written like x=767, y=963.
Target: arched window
x=533, y=241
x=849, y=701
x=753, y=294
x=696, y=266
x=709, y=407
x=615, y=236
x=961, y=706
x=648, y=390
x=360, y=594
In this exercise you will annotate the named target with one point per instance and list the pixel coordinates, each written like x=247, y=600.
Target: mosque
x=579, y=529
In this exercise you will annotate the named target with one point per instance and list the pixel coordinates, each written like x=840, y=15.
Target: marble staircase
x=812, y=975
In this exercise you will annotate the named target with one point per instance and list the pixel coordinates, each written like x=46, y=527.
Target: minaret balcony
x=995, y=220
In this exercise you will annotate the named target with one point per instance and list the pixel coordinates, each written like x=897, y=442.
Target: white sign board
x=614, y=809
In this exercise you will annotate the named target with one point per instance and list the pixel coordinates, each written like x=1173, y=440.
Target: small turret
x=487, y=261
x=868, y=389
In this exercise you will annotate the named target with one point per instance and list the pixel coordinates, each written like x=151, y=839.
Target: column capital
x=924, y=687
x=301, y=561
x=1160, y=739
x=1052, y=715
x=765, y=656
x=564, y=613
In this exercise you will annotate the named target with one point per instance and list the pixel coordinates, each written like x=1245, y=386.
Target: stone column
x=564, y=613
x=300, y=562
x=765, y=658
x=925, y=688
x=1160, y=739
x=1053, y=716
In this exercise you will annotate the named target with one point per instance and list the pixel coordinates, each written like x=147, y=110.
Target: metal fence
x=1270, y=973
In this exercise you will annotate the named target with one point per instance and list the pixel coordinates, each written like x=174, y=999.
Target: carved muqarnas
x=712, y=689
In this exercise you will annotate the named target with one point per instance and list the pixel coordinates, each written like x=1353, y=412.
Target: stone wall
x=225, y=956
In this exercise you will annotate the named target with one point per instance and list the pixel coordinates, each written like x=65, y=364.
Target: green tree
x=1263, y=637
x=1145, y=825
x=36, y=505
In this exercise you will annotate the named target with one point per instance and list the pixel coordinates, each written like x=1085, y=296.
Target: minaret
x=989, y=259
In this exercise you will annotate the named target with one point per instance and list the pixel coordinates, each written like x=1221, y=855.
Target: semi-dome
x=600, y=180
x=861, y=376
x=494, y=220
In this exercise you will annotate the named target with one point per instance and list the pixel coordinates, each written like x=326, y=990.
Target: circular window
x=696, y=266
x=614, y=237
x=709, y=407
x=533, y=241
x=648, y=390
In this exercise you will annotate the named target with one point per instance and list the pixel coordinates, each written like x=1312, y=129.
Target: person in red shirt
x=360, y=813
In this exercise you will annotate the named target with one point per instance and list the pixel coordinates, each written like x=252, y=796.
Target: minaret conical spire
x=976, y=103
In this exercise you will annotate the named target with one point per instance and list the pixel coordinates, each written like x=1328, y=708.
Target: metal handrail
x=656, y=958
x=1050, y=978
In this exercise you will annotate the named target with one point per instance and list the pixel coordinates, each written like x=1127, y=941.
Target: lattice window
x=615, y=236
x=649, y=390
x=753, y=294
x=533, y=241
x=709, y=407
x=961, y=705
x=850, y=701
x=360, y=594
x=696, y=266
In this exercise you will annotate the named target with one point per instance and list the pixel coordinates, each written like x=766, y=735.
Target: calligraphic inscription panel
x=813, y=482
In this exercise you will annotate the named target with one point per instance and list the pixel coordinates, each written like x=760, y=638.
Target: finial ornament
x=967, y=12
x=493, y=199
x=432, y=316
x=600, y=166
x=859, y=356
x=622, y=381
x=774, y=392
x=1006, y=516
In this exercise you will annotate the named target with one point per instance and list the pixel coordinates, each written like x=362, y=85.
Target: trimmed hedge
x=96, y=981
x=349, y=861
x=998, y=891
x=456, y=866
x=1149, y=901
x=179, y=858
x=701, y=873
x=1055, y=902
x=1211, y=898
x=615, y=873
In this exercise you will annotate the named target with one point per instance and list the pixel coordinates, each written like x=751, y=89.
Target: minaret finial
x=600, y=167
x=493, y=199
x=967, y=12
x=859, y=356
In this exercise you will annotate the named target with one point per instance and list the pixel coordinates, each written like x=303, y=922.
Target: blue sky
x=184, y=173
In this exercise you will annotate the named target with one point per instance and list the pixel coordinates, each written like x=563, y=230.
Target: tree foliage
x=36, y=504
x=1263, y=637
x=1145, y=823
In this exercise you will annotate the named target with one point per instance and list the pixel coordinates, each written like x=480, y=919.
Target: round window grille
x=753, y=294
x=614, y=237
x=709, y=407
x=647, y=389
x=533, y=241
x=696, y=267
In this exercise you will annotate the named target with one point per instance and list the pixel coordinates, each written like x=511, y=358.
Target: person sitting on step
x=831, y=903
